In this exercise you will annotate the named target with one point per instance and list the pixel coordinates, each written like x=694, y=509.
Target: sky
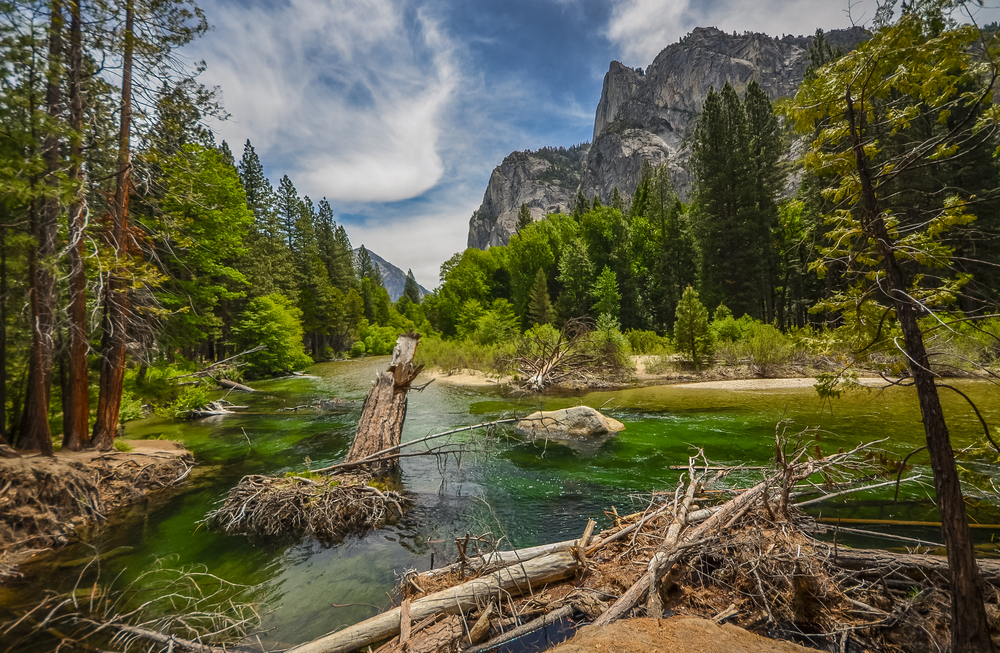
x=397, y=111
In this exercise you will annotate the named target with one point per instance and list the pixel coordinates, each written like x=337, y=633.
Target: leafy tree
x=410, y=289
x=691, y=332
x=523, y=217
x=913, y=99
x=539, y=306
x=273, y=321
x=204, y=220
x=607, y=299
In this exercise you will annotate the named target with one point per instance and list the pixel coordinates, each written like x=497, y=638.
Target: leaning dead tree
x=384, y=410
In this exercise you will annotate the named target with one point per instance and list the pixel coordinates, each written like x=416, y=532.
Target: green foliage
x=647, y=342
x=272, y=321
x=610, y=344
x=357, y=349
x=539, y=306
x=692, y=335
x=607, y=299
x=190, y=398
x=410, y=289
x=131, y=408
x=121, y=445
x=767, y=348
x=523, y=217
x=454, y=355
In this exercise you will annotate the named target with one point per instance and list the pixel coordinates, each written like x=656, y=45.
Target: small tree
x=539, y=306
x=691, y=333
x=410, y=289
x=523, y=217
x=607, y=299
x=272, y=321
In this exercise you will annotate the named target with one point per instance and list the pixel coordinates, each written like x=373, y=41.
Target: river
x=525, y=493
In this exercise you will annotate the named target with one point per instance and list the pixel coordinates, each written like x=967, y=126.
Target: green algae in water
x=528, y=493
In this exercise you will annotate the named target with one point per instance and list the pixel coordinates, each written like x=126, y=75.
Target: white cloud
x=641, y=28
x=347, y=94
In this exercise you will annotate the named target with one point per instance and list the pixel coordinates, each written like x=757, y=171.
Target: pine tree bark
x=114, y=322
x=76, y=415
x=969, y=627
x=42, y=279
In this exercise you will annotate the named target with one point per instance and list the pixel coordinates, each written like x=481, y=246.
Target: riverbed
x=521, y=493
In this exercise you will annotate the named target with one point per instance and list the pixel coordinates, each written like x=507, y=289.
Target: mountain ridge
x=649, y=114
x=393, y=278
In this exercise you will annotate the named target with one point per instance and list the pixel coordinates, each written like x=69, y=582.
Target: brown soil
x=679, y=634
x=43, y=500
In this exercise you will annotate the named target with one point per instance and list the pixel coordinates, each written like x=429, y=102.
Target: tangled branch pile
x=545, y=357
x=751, y=559
x=324, y=508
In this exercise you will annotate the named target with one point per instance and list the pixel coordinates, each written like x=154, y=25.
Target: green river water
x=528, y=493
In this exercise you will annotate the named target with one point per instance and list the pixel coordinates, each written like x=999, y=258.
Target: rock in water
x=577, y=422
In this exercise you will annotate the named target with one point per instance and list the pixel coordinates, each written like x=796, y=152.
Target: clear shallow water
x=528, y=493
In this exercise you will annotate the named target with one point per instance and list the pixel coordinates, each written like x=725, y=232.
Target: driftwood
x=384, y=410
x=513, y=581
x=213, y=408
x=233, y=385
x=531, y=626
x=218, y=365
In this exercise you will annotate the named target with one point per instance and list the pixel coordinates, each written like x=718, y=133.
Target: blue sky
x=398, y=110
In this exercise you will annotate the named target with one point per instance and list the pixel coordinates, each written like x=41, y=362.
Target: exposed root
x=327, y=509
x=42, y=500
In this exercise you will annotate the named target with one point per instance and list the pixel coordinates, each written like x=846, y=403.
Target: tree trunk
x=514, y=580
x=970, y=630
x=3, y=331
x=42, y=279
x=76, y=416
x=384, y=410
x=115, y=320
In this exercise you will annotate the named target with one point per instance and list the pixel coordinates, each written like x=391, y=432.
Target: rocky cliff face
x=546, y=181
x=649, y=115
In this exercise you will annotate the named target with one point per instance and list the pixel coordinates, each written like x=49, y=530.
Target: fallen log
x=233, y=385
x=919, y=568
x=384, y=410
x=530, y=627
x=514, y=580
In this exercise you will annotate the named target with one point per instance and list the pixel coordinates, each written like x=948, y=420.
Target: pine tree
x=617, y=201
x=410, y=289
x=260, y=195
x=539, y=306
x=523, y=217
x=576, y=274
x=368, y=269
x=607, y=299
x=289, y=209
x=581, y=206
x=692, y=335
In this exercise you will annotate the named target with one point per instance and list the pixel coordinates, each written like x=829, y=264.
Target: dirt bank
x=679, y=634
x=43, y=500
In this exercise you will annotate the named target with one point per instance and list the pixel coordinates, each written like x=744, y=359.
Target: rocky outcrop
x=393, y=278
x=648, y=115
x=546, y=181
x=653, y=115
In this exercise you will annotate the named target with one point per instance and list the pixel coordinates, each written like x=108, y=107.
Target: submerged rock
x=579, y=421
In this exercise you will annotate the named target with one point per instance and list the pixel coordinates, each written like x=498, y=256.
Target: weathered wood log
x=499, y=559
x=514, y=580
x=919, y=568
x=384, y=410
x=233, y=385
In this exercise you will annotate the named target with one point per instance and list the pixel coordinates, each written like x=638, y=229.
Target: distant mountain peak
x=393, y=278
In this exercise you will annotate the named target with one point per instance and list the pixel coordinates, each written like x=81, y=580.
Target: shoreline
x=44, y=500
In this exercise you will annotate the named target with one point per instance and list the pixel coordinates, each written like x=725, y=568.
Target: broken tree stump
x=384, y=410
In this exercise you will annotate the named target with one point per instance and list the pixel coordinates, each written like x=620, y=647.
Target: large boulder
x=576, y=422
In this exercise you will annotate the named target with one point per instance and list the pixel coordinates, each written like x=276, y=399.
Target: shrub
x=692, y=334
x=273, y=321
x=767, y=349
x=647, y=342
x=610, y=344
x=357, y=349
x=131, y=407
x=190, y=398
x=125, y=447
